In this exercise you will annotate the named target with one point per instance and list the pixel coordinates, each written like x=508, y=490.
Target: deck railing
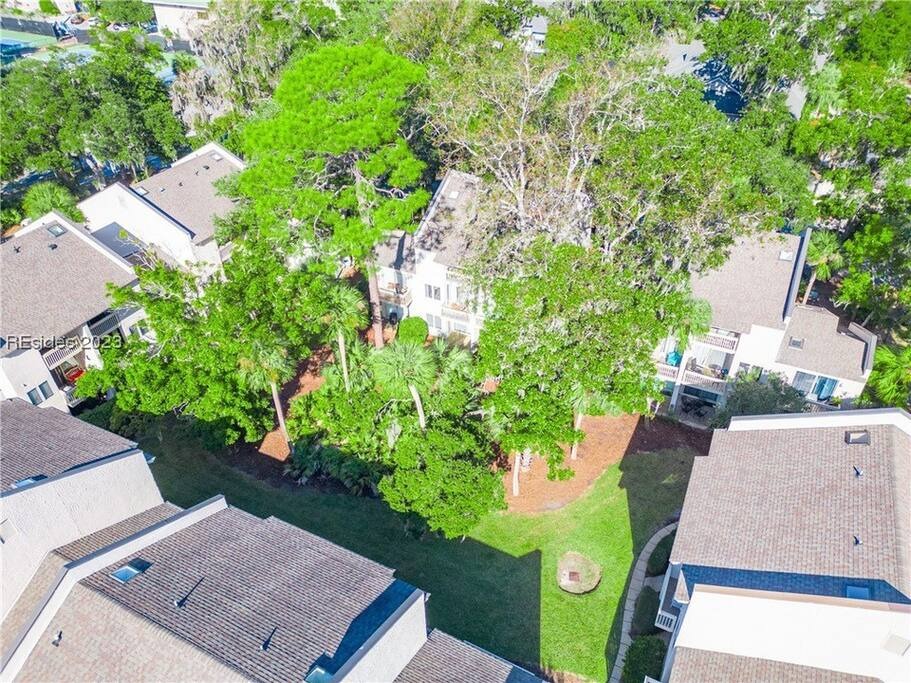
x=666, y=371
x=696, y=379
x=720, y=340
x=399, y=296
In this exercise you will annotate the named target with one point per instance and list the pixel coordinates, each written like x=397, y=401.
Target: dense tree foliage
x=110, y=108
x=47, y=196
x=753, y=397
x=124, y=11
x=890, y=381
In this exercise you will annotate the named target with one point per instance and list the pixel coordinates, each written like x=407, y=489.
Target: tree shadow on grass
x=654, y=473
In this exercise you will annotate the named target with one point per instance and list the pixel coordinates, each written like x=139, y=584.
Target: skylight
x=131, y=570
x=858, y=436
x=141, y=191
x=795, y=343
x=858, y=592
x=786, y=256
x=28, y=480
x=56, y=230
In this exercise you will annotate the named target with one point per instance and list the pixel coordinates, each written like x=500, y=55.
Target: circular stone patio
x=577, y=574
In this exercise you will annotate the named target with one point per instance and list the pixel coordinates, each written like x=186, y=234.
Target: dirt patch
x=607, y=441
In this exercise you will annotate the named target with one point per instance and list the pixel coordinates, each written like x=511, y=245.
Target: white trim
x=73, y=572
x=895, y=417
x=206, y=149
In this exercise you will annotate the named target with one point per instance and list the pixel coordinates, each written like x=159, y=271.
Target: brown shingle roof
x=789, y=500
x=444, y=659
x=52, y=285
x=444, y=227
x=751, y=288
x=706, y=666
x=826, y=350
x=47, y=441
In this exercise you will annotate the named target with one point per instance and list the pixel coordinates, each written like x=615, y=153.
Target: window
x=434, y=322
x=45, y=390
x=56, y=230
x=34, y=397
x=28, y=480
x=858, y=592
x=140, y=329
x=824, y=388
x=131, y=570
x=432, y=292
x=804, y=382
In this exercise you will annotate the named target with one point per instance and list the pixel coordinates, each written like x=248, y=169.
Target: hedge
x=645, y=612
x=412, y=330
x=660, y=557
x=645, y=657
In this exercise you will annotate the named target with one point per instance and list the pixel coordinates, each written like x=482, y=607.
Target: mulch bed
x=607, y=441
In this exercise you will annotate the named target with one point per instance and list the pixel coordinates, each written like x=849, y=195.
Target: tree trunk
x=516, y=464
x=867, y=319
x=343, y=358
x=577, y=423
x=806, y=294
x=276, y=399
x=376, y=308
x=417, y=404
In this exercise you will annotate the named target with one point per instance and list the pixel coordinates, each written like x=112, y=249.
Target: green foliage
x=124, y=11
x=412, y=330
x=632, y=21
x=330, y=168
x=10, y=216
x=645, y=657
x=659, y=559
x=48, y=7
x=312, y=459
x=646, y=611
x=883, y=36
x=580, y=328
x=47, y=196
x=506, y=15
x=183, y=62
x=108, y=416
x=111, y=108
x=752, y=397
x=890, y=380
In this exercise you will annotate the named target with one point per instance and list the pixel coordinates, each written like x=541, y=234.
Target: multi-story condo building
x=138, y=589
x=757, y=325
x=55, y=309
x=791, y=559
x=422, y=274
x=172, y=214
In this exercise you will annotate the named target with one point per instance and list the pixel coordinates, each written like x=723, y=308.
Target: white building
x=179, y=17
x=758, y=326
x=103, y=580
x=172, y=213
x=55, y=308
x=791, y=556
x=421, y=275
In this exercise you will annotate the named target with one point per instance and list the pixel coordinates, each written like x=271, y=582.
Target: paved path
x=635, y=586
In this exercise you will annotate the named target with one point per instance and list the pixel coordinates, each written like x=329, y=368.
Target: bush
x=660, y=557
x=48, y=7
x=413, y=330
x=47, y=196
x=645, y=613
x=645, y=657
x=10, y=216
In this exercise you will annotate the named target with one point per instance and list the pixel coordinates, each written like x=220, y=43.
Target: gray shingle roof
x=52, y=285
x=451, y=212
x=397, y=252
x=789, y=500
x=706, y=666
x=444, y=659
x=47, y=441
x=826, y=350
x=751, y=288
x=251, y=576
x=187, y=193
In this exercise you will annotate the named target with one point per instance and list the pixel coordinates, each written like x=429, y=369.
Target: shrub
x=48, y=7
x=660, y=557
x=413, y=330
x=9, y=216
x=645, y=657
x=47, y=196
x=645, y=612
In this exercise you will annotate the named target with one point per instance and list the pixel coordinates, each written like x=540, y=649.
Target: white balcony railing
x=455, y=310
x=666, y=371
x=694, y=379
x=400, y=296
x=104, y=326
x=665, y=621
x=69, y=391
x=56, y=356
x=722, y=341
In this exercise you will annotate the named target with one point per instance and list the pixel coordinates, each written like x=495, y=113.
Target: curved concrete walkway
x=635, y=587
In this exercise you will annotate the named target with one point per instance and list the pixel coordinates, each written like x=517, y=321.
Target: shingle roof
x=48, y=441
x=707, y=666
x=397, y=252
x=752, y=286
x=52, y=285
x=452, y=210
x=443, y=659
x=789, y=500
x=187, y=192
x=826, y=350
x=251, y=576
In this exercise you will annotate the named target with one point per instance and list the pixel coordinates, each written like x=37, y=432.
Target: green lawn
x=496, y=588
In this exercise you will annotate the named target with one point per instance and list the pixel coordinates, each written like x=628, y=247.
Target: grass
x=496, y=588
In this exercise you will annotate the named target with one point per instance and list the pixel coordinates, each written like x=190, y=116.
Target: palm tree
x=585, y=403
x=346, y=313
x=405, y=367
x=265, y=367
x=825, y=257
x=451, y=361
x=890, y=381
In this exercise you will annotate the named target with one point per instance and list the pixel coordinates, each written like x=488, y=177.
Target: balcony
x=720, y=341
x=395, y=294
x=106, y=325
x=57, y=355
x=668, y=372
x=69, y=392
x=454, y=309
x=695, y=378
